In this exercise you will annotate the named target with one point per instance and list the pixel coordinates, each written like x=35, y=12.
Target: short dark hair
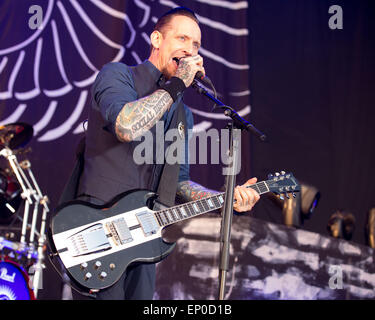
x=178, y=11
x=166, y=18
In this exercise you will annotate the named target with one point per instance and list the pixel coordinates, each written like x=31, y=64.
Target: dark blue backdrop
x=312, y=88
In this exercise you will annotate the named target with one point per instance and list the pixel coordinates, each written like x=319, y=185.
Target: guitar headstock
x=283, y=183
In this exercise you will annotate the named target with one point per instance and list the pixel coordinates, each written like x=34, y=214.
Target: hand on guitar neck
x=245, y=197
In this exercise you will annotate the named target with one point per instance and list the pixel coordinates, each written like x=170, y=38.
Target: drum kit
x=22, y=236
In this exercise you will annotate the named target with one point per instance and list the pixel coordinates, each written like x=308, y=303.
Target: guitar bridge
x=90, y=240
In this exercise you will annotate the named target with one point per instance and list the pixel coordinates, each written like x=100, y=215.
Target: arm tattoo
x=184, y=73
x=138, y=116
x=189, y=191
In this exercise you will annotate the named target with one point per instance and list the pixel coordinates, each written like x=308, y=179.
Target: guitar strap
x=167, y=184
x=169, y=179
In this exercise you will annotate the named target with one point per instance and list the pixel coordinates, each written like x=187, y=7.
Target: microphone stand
x=235, y=127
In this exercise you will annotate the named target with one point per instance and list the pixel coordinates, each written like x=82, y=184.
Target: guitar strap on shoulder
x=167, y=185
x=168, y=182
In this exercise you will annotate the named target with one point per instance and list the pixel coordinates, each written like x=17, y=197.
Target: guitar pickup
x=148, y=223
x=90, y=240
x=120, y=231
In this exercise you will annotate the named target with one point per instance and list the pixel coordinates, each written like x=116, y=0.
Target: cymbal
x=15, y=135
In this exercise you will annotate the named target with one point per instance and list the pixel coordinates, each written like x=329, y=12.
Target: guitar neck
x=195, y=208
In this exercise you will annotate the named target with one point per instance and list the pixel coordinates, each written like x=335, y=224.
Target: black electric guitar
x=97, y=243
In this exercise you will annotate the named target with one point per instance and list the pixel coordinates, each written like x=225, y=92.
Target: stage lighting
x=370, y=228
x=291, y=210
x=297, y=208
x=310, y=197
x=341, y=225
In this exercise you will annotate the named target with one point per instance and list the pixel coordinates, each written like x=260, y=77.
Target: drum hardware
x=13, y=251
x=28, y=252
x=10, y=196
x=15, y=135
x=9, y=232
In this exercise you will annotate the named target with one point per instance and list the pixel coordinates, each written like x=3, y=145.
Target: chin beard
x=167, y=73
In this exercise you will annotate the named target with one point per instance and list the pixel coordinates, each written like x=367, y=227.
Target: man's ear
x=156, y=38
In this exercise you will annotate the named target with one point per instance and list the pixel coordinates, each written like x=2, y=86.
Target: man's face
x=181, y=38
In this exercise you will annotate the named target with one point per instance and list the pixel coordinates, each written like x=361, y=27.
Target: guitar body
x=97, y=243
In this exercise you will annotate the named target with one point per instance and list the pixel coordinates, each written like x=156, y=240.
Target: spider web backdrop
x=46, y=74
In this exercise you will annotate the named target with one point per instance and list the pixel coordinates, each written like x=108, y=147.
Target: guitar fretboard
x=194, y=208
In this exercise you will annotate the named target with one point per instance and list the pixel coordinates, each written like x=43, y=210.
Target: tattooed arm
x=138, y=116
x=190, y=190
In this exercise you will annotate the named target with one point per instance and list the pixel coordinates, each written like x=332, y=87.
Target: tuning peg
x=270, y=176
x=277, y=174
x=294, y=195
x=287, y=195
x=282, y=197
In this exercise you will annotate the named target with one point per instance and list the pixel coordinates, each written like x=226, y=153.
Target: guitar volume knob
x=103, y=275
x=83, y=265
x=88, y=276
x=97, y=264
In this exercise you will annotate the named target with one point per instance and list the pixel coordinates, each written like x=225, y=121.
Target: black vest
x=109, y=168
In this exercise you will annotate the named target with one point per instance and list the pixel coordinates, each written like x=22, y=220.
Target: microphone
x=203, y=79
x=199, y=76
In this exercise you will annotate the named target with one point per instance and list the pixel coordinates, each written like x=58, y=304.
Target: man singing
x=127, y=102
